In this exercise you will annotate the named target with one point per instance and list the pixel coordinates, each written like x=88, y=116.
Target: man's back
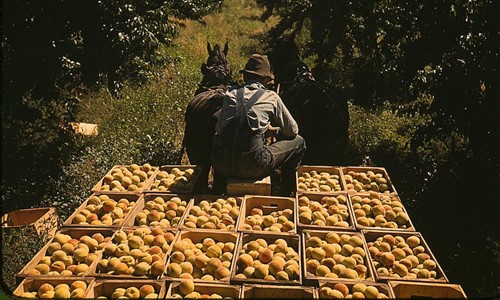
x=249, y=113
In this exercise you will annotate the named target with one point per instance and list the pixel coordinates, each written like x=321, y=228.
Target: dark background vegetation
x=421, y=78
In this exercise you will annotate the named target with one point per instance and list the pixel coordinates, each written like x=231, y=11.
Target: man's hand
x=272, y=131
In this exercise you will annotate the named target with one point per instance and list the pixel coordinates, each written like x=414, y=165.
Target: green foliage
x=56, y=53
x=18, y=247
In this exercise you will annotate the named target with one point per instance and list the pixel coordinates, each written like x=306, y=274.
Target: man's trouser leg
x=288, y=154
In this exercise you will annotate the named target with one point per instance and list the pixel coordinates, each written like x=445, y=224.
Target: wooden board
x=260, y=291
x=317, y=197
x=210, y=198
x=42, y=220
x=106, y=287
x=130, y=221
x=382, y=170
x=104, y=276
x=402, y=289
x=197, y=236
x=138, y=199
x=242, y=187
x=226, y=291
x=75, y=233
x=362, y=227
x=292, y=241
x=147, y=183
x=372, y=235
x=32, y=284
x=268, y=205
x=168, y=168
x=329, y=169
x=381, y=287
x=322, y=234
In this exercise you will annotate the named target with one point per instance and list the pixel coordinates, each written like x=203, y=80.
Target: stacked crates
x=143, y=233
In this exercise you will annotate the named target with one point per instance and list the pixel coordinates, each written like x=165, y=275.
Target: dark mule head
x=216, y=71
x=297, y=71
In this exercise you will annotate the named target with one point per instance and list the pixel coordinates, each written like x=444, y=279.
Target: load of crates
x=142, y=233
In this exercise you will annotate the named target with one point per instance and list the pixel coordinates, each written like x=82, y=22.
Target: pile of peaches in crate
x=142, y=233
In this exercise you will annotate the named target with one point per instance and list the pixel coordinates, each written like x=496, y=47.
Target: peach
x=222, y=273
x=157, y=268
x=146, y=290
x=342, y=288
x=78, y=293
x=244, y=261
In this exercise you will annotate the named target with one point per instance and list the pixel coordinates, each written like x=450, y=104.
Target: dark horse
x=202, y=112
x=320, y=110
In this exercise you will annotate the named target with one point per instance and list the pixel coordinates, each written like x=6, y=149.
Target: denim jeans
x=287, y=153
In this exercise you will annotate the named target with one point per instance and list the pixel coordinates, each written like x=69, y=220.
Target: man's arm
x=284, y=119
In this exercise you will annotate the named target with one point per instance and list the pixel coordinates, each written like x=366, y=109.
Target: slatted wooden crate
x=402, y=289
x=96, y=272
x=41, y=221
x=226, y=291
x=197, y=236
x=183, y=188
x=292, y=241
x=319, y=169
x=210, y=199
x=132, y=220
x=242, y=187
x=106, y=287
x=74, y=233
x=372, y=235
x=268, y=205
x=381, y=287
x=407, y=227
x=259, y=291
x=313, y=278
x=147, y=183
x=137, y=199
x=32, y=284
x=346, y=170
x=317, y=198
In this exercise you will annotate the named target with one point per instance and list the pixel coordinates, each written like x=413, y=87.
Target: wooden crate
x=130, y=222
x=317, y=197
x=104, y=276
x=322, y=234
x=362, y=227
x=242, y=187
x=97, y=188
x=168, y=168
x=106, y=287
x=32, y=284
x=196, y=236
x=43, y=221
x=226, y=291
x=75, y=233
x=381, y=287
x=372, y=235
x=210, y=198
x=328, y=169
x=402, y=289
x=268, y=205
x=382, y=170
x=292, y=241
x=138, y=199
x=260, y=291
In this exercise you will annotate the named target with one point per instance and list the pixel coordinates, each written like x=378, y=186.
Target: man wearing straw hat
x=250, y=113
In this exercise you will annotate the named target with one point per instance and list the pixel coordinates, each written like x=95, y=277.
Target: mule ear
x=226, y=47
x=209, y=48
